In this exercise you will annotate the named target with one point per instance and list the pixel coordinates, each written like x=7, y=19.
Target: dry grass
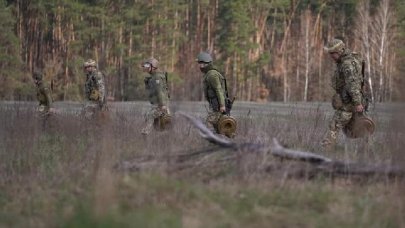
x=67, y=172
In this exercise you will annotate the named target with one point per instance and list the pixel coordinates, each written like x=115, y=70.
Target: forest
x=277, y=44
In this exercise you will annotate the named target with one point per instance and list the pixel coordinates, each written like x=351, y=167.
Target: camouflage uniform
x=94, y=90
x=157, y=88
x=214, y=86
x=347, y=82
x=43, y=94
x=214, y=91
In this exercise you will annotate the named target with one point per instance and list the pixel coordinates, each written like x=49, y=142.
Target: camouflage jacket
x=347, y=79
x=214, y=88
x=44, y=96
x=156, y=85
x=95, y=87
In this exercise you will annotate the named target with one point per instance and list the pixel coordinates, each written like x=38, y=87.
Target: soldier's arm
x=214, y=80
x=101, y=85
x=352, y=82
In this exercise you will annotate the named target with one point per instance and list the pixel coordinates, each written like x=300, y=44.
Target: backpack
x=365, y=85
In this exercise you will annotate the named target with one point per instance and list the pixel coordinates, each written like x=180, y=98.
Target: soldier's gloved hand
x=359, y=108
x=222, y=109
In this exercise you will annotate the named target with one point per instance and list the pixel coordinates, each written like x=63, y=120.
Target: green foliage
x=148, y=216
x=400, y=6
x=11, y=74
x=119, y=34
x=236, y=27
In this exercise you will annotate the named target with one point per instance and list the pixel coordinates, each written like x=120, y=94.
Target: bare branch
x=276, y=149
x=279, y=151
x=320, y=163
x=207, y=133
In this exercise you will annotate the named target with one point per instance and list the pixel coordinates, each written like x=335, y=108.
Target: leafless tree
x=363, y=37
x=381, y=40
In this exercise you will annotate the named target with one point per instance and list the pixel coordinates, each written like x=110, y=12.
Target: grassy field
x=69, y=172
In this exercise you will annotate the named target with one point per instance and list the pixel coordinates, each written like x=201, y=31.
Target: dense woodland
x=276, y=43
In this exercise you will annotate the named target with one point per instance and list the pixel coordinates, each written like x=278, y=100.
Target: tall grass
x=68, y=172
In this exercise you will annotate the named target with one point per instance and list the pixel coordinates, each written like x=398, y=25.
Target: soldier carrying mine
x=349, y=100
x=43, y=94
x=157, y=87
x=216, y=93
x=94, y=89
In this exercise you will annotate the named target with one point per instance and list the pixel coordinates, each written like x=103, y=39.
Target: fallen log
x=319, y=162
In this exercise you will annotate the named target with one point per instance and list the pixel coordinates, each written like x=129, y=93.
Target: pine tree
x=14, y=84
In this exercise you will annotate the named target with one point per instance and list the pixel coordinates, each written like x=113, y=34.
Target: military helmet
x=37, y=75
x=359, y=126
x=153, y=62
x=204, y=57
x=227, y=126
x=335, y=45
x=90, y=63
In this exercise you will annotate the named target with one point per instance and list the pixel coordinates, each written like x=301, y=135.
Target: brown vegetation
x=74, y=172
x=278, y=43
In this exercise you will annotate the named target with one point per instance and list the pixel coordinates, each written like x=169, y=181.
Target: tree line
x=273, y=43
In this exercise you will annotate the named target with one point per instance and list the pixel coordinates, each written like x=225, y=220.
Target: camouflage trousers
x=90, y=109
x=150, y=116
x=212, y=120
x=339, y=120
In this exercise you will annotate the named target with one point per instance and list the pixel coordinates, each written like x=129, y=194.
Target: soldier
x=43, y=94
x=94, y=89
x=215, y=91
x=347, y=83
x=156, y=85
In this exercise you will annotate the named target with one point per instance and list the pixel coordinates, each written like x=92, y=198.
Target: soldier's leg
x=165, y=120
x=339, y=120
x=41, y=114
x=150, y=117
x=212, y=120
x=89, y=110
